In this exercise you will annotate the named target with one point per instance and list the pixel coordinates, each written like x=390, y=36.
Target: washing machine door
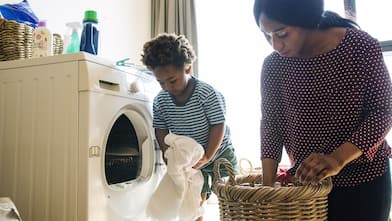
x=130, y=151
x=132, y=165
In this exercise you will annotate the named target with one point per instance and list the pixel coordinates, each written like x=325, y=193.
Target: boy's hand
x=204, y=160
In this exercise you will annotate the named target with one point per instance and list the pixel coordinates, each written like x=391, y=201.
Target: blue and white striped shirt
x=204, y=108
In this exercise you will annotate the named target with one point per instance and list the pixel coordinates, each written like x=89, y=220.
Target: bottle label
x=42, y=43
x=89, y=38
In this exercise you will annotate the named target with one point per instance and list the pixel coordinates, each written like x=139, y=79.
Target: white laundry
x=178, y=195
x=8, y=211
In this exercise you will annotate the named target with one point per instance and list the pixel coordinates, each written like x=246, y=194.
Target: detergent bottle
x=74, y=40
x=90, y=33
x=42, y=41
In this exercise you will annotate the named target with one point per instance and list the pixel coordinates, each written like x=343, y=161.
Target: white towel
x=178, y=195
x=8, y=211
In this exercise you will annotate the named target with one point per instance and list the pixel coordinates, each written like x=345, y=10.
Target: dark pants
x=369, y=201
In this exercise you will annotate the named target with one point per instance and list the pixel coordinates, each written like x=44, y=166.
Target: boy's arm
x=160, y=135
x=215, y=138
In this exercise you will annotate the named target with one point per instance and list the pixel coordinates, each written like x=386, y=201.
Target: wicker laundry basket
x=243, y=198
x=16, y=40
x=249, y=169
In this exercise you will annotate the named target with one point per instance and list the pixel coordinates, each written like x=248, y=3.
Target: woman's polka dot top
x=316, y=104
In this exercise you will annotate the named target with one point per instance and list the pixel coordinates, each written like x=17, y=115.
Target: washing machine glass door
x=129, y=150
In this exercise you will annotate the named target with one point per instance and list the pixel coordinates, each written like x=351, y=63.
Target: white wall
x=124, y=24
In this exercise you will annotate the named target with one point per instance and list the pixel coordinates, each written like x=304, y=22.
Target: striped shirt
x=204, y=108
x=316, y=104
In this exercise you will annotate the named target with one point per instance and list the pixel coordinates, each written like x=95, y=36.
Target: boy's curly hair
x=168, y=49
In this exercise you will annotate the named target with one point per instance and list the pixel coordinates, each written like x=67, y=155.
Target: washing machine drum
x=122, y=166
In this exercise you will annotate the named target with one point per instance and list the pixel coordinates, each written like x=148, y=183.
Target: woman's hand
x=204, y=160
x=318, y=167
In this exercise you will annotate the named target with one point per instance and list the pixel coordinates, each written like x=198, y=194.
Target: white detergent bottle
x=42, y=41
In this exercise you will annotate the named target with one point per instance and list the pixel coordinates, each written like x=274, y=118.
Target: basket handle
x=242, y=169
x=228, y=167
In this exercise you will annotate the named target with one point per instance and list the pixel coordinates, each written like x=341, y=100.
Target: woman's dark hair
x=308, y=14
x=332, y=19
x=168, y=49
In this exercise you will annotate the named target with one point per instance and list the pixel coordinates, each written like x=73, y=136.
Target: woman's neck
x=322, y=41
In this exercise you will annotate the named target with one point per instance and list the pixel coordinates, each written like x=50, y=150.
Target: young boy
x=186, y=105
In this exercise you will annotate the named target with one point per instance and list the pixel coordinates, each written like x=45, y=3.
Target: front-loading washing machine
x=76, y=139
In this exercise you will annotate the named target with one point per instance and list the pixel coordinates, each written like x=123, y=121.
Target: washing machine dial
x=134, y=87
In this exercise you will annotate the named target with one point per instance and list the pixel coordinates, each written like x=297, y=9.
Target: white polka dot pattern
x=316, y=104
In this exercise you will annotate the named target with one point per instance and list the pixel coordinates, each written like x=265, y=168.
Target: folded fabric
x=177, y=196
x=8, y=211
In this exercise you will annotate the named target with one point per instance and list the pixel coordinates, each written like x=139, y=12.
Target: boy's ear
x=188, y=69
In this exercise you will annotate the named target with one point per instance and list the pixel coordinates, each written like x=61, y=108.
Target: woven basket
x=58, y=44
x=249, y=169
x=244, y=198
x=16, y=40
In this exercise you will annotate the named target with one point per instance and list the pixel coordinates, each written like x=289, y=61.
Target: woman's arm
x=271, y=124
x=270, y=167
x=370, y=134
x=377, y=103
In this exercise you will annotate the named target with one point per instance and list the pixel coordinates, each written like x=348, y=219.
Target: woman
x=327, y=98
